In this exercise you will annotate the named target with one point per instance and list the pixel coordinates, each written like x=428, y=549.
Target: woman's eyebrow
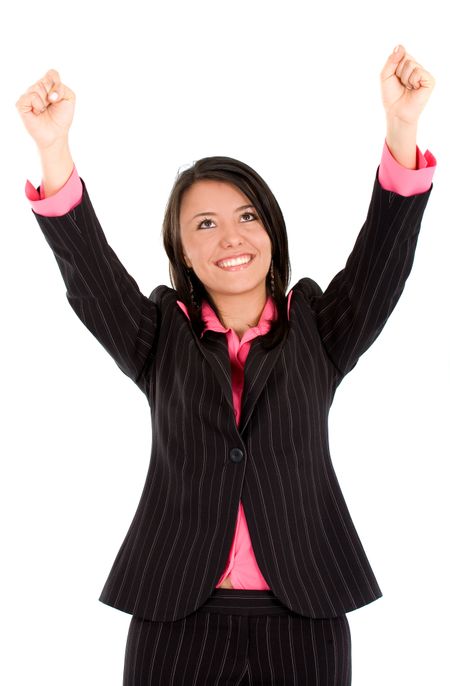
x=242, y=207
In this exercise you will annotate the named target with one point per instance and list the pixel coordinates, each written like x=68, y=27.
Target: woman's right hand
x=47, y=120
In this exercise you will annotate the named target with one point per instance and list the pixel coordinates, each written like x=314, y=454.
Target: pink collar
x=212, y=322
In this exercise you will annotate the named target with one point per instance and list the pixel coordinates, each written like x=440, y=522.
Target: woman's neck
x=240, y=312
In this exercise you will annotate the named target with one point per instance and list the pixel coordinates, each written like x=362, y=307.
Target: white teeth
x=235, y=262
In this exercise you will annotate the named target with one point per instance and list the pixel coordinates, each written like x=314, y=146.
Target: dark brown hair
x=259, y=194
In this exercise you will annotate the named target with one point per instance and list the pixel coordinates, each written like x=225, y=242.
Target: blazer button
x=236, y=454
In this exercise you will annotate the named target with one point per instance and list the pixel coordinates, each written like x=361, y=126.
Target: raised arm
x=356, y=304
x=99, y=289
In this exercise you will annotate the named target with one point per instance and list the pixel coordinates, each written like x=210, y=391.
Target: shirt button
x=236, y=455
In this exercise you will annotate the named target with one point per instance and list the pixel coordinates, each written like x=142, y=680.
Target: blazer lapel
x=258, y=365
x=214, y=347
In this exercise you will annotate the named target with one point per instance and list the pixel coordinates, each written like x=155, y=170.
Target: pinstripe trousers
x=239, y=636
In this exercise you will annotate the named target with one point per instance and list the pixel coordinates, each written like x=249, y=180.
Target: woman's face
x=226, y=225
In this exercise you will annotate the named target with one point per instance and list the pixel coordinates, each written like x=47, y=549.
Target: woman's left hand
x=405, y=87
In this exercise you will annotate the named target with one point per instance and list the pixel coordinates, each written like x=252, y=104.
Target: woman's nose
x=231, y=234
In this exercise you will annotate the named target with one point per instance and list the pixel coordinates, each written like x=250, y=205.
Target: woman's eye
x=246, y=214
x=202, y=222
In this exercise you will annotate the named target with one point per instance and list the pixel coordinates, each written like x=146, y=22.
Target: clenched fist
x=405, y=87
x=47, y=108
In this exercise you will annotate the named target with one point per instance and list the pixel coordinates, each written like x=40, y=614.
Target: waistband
x=240, y=601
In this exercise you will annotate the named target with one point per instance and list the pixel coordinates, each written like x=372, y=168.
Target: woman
x=242, y=560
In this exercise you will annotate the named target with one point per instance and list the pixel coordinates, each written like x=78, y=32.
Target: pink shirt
x=242, y=566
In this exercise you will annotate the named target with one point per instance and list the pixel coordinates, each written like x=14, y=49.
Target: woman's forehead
x=219, y=194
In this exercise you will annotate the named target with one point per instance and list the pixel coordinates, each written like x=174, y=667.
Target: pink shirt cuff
x=393, y=176
x=61, y=202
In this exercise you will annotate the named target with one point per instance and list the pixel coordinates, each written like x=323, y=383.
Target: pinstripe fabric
x=240, y=637
x=278, y=460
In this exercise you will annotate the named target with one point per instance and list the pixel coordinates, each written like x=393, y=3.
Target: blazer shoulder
x=161, y=294
x=308, y=287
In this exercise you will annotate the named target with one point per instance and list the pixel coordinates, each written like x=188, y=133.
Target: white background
x=292, y=90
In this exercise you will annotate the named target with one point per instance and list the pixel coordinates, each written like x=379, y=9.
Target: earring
x=272, y=279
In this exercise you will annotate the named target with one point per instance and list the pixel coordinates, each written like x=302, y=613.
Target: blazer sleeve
x=100, y=290
x=355, y=306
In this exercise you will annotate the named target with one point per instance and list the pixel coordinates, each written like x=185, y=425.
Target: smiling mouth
x=235, y=267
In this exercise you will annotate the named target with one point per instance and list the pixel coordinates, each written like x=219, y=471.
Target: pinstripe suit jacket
x=278, y=460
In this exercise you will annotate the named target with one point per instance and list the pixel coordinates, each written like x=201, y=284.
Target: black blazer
x=278, y=460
